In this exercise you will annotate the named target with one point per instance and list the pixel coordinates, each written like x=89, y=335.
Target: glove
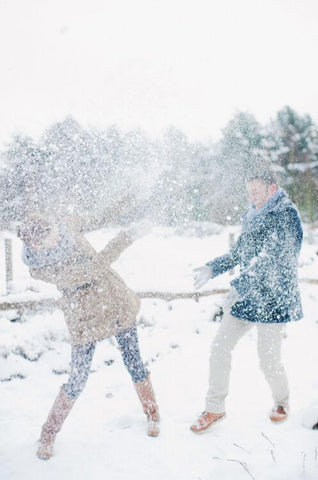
x=201, y=276
x=139, y=229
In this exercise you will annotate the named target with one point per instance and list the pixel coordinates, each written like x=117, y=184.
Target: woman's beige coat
x=96, y=302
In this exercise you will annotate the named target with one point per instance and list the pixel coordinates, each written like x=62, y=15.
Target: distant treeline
x=116, y=177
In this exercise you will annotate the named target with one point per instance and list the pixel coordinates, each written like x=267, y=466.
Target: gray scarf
x=59, y=254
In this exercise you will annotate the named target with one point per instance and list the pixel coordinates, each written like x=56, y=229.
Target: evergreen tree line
x=117, y=177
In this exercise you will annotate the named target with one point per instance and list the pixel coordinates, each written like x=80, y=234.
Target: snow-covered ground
x=104, y=436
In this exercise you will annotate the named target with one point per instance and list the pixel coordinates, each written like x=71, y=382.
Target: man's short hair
x=266, y=176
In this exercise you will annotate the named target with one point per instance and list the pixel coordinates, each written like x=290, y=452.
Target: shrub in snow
x=310, y=417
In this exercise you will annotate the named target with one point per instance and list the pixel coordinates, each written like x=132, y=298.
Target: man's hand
x=201, y=276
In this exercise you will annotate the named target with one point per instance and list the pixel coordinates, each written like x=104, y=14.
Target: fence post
x=231, y=243
x=8, y=257
x=6, y=265
x=3, y=281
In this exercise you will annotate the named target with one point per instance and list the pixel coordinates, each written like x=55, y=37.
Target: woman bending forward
x=96, y=304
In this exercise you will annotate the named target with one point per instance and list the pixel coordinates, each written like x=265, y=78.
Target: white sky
x=152, y=63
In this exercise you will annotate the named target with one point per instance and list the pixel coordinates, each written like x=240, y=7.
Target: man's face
x=259, y=193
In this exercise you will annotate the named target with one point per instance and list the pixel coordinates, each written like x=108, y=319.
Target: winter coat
x=96, y=302
x=267, y=251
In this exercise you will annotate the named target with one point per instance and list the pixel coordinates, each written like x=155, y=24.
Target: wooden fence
x=6, y=277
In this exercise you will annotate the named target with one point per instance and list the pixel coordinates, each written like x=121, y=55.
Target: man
x=264, y=294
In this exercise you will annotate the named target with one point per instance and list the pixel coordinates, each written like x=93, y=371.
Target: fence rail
x=45, y=304
x=51, y=303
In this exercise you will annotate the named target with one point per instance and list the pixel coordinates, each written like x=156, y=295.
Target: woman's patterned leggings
x=82, y=356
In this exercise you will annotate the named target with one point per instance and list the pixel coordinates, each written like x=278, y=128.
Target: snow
x=104, y=436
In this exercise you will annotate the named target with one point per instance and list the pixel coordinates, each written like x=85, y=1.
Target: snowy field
x=104, y=436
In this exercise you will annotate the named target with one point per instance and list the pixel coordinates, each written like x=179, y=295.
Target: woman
x=96, y=304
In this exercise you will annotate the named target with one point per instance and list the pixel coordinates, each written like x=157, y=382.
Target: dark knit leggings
x=82, y=356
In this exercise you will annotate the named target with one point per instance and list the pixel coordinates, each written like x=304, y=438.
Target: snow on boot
x=58, y=413
x=278, y=414
x=148, y=401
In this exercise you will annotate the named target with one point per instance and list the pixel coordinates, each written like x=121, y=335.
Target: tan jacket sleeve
x=115, y=247
x=77, y=227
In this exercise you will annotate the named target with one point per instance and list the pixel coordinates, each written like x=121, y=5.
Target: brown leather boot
x=206, y=420
x=148, y=401
x=58, y=413
x=279, y=413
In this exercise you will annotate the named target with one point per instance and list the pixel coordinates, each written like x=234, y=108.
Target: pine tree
x=292, y=142
x=239, y=152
